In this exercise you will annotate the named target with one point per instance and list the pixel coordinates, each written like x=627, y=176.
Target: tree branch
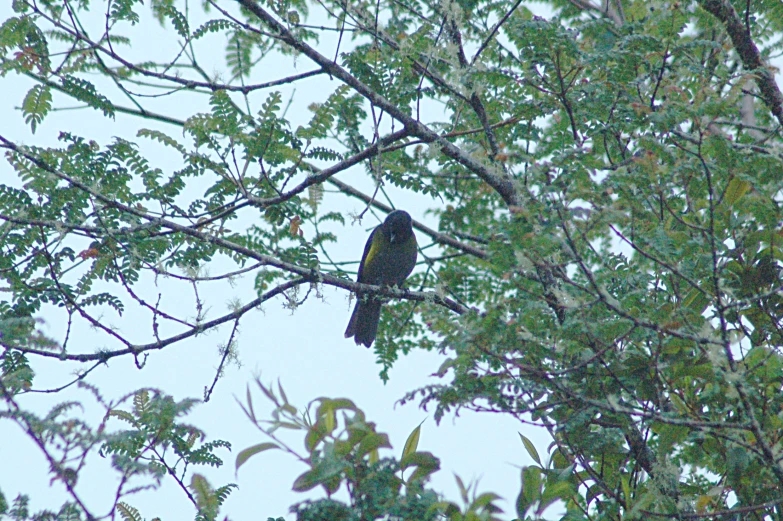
x=503, y=184
x=319, y=176
x=749, y=53
x=439, y=238
x=305, y=274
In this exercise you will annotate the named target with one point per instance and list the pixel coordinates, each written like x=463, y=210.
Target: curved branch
x=319, y=176
x=502, y=183
x=314, y=277
x=184, y=82
x=748, y=52
x=104, y=356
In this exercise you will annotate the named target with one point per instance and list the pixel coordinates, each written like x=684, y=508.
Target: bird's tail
x=363, y=325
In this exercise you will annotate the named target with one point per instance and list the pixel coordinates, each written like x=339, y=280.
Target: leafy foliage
x=153, y=424
x=347, y=453
x=156, y=445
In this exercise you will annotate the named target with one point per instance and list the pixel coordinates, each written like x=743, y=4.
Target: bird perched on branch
x=389, y=257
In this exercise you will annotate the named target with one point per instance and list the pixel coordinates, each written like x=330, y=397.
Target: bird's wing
x=370, y=250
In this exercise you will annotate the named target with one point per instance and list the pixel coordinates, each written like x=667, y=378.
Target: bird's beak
x=392, y=237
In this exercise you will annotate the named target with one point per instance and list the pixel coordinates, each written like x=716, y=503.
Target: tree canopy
x=597, y=190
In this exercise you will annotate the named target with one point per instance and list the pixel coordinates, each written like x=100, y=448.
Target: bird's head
x=397, y=226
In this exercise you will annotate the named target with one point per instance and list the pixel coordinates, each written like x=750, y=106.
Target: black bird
x=389, y=257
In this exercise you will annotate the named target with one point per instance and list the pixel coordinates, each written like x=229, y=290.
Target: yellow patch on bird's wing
x=375, y=246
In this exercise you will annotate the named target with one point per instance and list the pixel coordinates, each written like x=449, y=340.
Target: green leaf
x=372, y=442
x=202, y=491
x=319, y=475
x=530, y=491
x=36, y=105
x=625, y=481
x=214, y=26
x=86, y=92
x=249, y=452
x=531, y=449
x=737, y=462
x=485, y=500
x=555, y=491
x=123, y=10
x=163, y=138
x=128, y=513
x=178, y=20
x=424, y=462
x=411, y=444
x=736, y=189
x=697, y=301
